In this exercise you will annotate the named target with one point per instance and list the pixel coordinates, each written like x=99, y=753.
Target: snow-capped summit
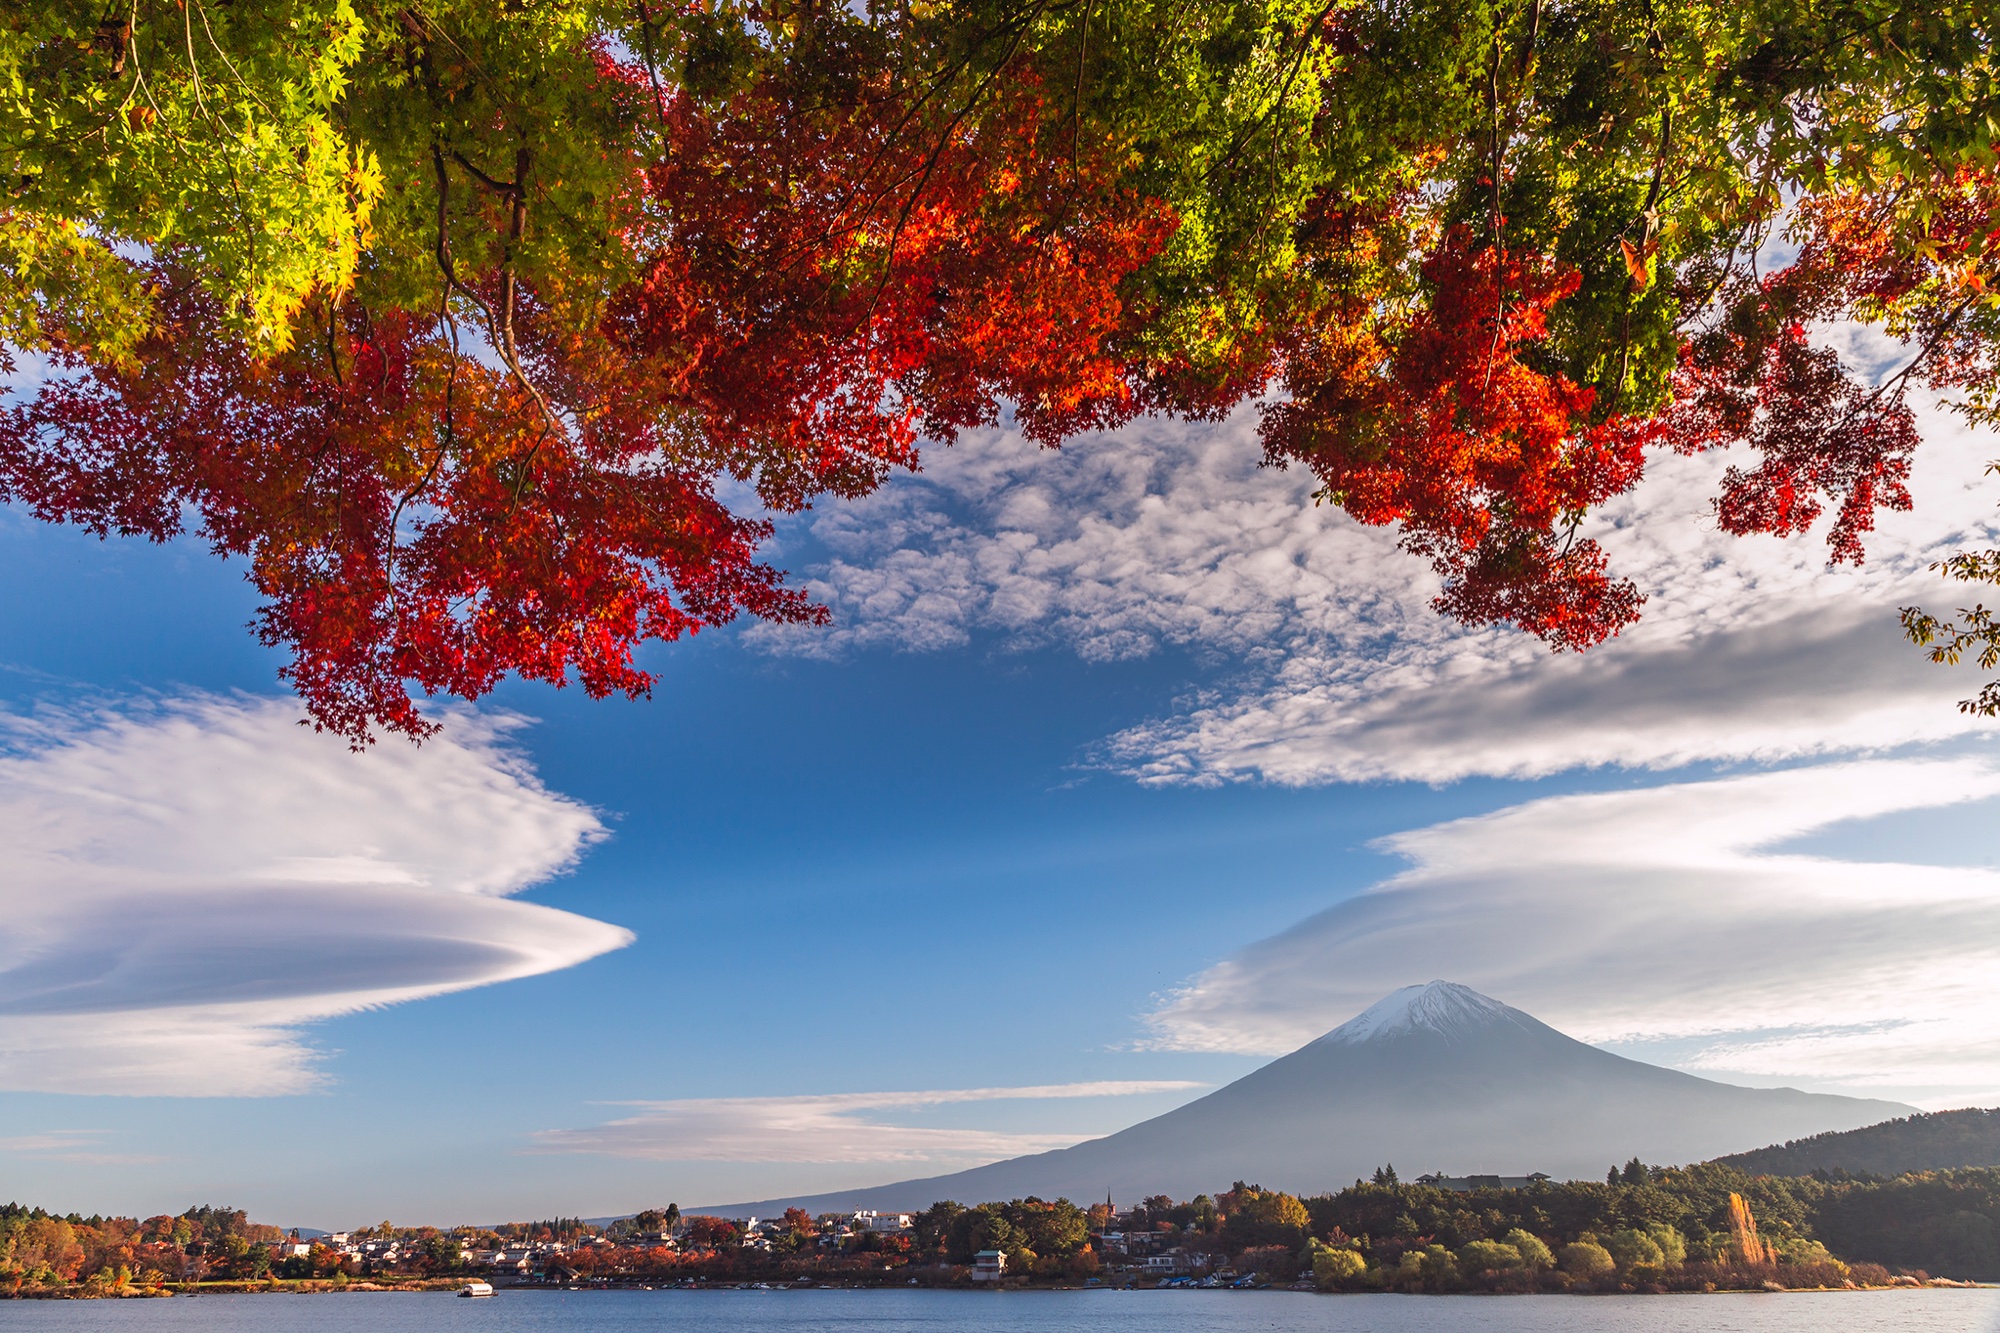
x=1442, y=1007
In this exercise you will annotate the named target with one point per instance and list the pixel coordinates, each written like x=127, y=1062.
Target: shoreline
x=450, y=1286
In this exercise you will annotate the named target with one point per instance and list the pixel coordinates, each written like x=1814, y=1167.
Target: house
x=988, y=1266
x=871, y=1221
x=1174, y=1261
x=1466, y=1184
x=520, y=1260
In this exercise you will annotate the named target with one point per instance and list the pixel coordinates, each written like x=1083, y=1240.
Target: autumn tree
x=711, y=1233
x=456, y=324
x=1257, y=1217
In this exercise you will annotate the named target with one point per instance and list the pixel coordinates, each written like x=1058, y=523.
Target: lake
x=1925, y=1311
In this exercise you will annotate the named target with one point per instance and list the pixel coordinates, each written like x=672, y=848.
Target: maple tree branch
x=503, y=188
x=652, y=62
x=930, y=165
x=1076, y=96
x=1016, y=25
x=1527, y=57
x=1900, y=381
x=1648, y=215
x=1242, y=140
x=517, y=226
x=500, y=329
x=448, y=416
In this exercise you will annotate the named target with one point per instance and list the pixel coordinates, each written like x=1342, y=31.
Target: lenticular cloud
x=1667, y=916
x=827, y=1127
x=189, y=882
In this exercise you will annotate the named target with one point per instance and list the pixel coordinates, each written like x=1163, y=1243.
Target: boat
x=476, y=1289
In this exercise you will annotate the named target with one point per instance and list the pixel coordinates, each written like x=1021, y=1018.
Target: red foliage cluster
x=1485, y=461
x=496, y=545
x=821, y=286
x=710, y=1233
x=1823, y=436
x=1754, y=378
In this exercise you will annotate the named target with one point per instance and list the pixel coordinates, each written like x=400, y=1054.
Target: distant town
x=1643, y=1228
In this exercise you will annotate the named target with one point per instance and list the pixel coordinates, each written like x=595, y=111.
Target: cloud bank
x=826, y=1128
x=1333, y=666
x=191, y=881
x=1658, y=915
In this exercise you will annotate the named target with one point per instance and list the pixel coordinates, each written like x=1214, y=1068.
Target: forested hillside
x=1940, y=1142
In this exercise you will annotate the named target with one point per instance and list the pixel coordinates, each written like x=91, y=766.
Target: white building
x=873, y=1221
x=988, y=1266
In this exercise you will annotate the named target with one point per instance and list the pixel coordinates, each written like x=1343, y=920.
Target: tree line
x=1940, y=1140
x=1705, y=1227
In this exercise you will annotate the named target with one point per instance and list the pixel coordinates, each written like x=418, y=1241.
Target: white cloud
x=1652, y=916
x=190, y=881
x=831, y=1127
x=1335, y=668
x=79, y=1147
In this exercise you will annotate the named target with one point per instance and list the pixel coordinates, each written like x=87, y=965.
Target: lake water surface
x=1925, y=1311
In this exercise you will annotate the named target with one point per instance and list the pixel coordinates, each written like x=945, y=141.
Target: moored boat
x=476, y=1289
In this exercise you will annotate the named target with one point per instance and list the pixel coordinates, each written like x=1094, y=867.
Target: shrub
x=1631, y=1247
x=1486, y=1256
x=1673, y=1245
x=1336, y=1268
x=1585, y=1259
x=1533, y=1253
x=1434, y=1267
x=1794, y=1252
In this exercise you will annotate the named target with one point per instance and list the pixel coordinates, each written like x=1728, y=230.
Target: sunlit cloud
x=832, y=1127
x=191, y=881
x=1326, y=662
x=1662, y=916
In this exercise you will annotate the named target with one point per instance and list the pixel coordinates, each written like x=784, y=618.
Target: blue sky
x=1085, y=794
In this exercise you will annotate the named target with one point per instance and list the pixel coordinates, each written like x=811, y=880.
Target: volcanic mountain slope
x=1432, y=1078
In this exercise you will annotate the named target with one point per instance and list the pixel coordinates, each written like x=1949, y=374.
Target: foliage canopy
x=450, y=317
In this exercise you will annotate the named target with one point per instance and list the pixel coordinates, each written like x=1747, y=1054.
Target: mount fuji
x=1431, y=1078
